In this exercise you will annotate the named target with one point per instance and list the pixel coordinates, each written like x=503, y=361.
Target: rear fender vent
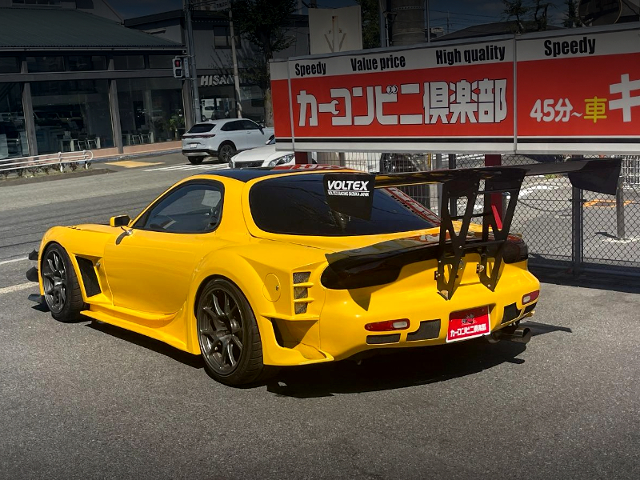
x=301, y=286
x=89, y=277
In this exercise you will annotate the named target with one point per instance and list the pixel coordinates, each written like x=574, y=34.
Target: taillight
x=388, y=325
x=515, y=250
x=530, y=297
x=202, y=135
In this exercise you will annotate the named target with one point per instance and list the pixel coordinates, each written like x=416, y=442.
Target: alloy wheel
x=54, y=280
x=220, y=322
x=226, y=152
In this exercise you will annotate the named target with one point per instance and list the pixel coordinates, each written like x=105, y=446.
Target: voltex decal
x=348, y=188
x=350, y=194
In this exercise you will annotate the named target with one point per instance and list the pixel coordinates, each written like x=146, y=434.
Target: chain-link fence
x=563, y=226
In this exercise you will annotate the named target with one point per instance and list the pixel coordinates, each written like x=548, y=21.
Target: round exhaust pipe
x=517, y=335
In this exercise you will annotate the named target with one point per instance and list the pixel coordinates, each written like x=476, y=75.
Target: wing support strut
x=453, y=243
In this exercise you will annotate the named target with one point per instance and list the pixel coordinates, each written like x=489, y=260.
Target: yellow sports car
x=293, y=266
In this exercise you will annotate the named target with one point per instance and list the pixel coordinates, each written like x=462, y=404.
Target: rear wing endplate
x=353, y=196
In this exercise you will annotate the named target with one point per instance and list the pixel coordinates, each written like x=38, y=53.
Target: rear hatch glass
x=201, y=128
x=296, y=205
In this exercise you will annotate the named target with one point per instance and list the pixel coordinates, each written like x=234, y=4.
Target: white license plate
x=194, y=145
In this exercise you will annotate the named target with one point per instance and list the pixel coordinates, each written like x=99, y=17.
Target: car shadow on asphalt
x=194, y=361
x=386, y=370
x=396, y=369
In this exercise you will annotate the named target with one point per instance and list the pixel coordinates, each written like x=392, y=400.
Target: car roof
x=248, y=174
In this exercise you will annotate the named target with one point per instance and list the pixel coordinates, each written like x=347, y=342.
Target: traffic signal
x=178, y=67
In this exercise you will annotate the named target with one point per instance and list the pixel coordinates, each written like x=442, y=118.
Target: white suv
x=223, y=138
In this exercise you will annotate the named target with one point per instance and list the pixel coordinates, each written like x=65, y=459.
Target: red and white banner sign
x=579, y=93
x=552, y=93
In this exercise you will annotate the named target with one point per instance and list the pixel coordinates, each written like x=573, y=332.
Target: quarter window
x=249, y=125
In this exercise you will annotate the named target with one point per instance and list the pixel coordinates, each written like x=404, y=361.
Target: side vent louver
x=89, y=277
x=301, y=287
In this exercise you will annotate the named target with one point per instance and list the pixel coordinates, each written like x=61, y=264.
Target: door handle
x=125, y=233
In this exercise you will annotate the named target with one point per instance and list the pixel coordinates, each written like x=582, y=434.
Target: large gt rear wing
x=381, y=263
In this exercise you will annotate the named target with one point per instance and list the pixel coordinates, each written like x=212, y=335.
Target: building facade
x=214, y=62
x=76, y=76
x=72, y=77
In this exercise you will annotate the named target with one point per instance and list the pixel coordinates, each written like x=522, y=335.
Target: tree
x=571, y=18
x=264, y=24
x=532, y=15
x=370, y=23
x=540, y=14
x=515, y=9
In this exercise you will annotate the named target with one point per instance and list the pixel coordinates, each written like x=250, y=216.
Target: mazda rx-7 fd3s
x=259, y=268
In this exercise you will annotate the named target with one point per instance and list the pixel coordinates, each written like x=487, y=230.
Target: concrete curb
x=10, y=182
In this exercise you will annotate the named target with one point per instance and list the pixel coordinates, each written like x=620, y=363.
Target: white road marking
x=187, y=167
x=14, y=260
x=16, y=288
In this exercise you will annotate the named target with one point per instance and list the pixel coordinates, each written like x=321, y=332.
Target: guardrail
x=60, y=161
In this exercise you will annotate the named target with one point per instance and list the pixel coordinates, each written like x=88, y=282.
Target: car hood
x=266, y=153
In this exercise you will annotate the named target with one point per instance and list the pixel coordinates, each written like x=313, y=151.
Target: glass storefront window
x=86, y=62
x=71, y=115
x=13, y=138
x=150, y=110
x=9, y=65
x=161, y=61
x=128, y=62
x=252, y=100
x=45, y=64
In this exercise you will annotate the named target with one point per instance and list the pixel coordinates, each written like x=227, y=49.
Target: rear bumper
x=334, y=326
x=342, y=329
x=193, y=152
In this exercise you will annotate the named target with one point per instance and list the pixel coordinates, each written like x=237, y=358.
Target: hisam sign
x=564, y=92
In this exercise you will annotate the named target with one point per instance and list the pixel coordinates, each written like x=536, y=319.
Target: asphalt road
x=87, y=400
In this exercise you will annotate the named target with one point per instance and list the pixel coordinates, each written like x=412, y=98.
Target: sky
x=457, y=14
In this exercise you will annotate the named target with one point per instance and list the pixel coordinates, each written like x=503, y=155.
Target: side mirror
x=119, y=221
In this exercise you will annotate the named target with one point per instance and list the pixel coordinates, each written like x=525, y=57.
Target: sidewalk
x=132, y=151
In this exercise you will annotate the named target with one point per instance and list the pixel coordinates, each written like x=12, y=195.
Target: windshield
x=296, y=205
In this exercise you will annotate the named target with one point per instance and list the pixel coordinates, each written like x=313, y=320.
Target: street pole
x=382, y=4
x=428, y=20
x=236, y=79
x=192, y=61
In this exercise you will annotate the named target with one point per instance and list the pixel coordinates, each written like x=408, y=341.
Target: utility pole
x=382, y=4
x=236, y=78
x=192, y=61
x=427, y=20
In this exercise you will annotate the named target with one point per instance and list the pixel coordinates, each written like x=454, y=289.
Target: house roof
x=491, y=29
x=49, y=29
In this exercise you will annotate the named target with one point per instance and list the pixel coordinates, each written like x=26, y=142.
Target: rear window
x=202, y=128
x=296, y=205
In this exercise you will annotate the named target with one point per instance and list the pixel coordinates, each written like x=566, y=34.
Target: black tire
x=228, y=334
x=196, y=160
x=61, y=288
x=226, y=151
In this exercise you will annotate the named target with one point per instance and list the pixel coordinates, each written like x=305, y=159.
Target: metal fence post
x=453, y=202
x=620, y=209
x=438, y=166
x=577, y=230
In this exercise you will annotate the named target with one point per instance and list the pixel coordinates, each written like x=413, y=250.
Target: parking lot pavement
x=87, y=400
